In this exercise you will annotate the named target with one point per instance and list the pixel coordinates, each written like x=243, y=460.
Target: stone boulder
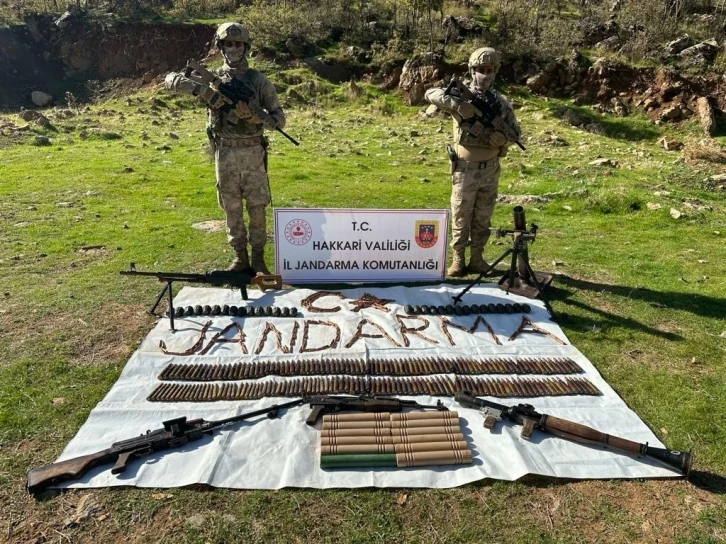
x=40, y=99
x=679, y=44
x=670, y=144
x=701, y=53
x=608, y=44
x=418, y=73
x=296, y=48
x=595, y=33
x=458, y=28
x=707, y=116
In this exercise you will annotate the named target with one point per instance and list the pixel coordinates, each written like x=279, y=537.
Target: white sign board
x=355, y=245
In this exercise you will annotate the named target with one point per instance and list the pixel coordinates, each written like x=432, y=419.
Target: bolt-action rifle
x=240, y=279
x=225, y=95
x=176, y=432
x=362, y=403
x=526, y=415
x=489, y=110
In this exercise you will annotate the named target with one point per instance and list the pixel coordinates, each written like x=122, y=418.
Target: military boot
x=241, y=261
x=258, y=261
x=477, y=264
x=456, y=270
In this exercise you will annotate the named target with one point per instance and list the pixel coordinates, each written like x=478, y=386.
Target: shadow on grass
x=701, y=305
x=622, y=128
x=713, y=483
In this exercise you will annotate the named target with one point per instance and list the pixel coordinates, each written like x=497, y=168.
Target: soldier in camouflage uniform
x=475, y=173
x=241, y=148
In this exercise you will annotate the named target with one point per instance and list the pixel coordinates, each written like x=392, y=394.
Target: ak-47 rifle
x=525, y=414
x=240, y=279
x=176, y=432
x=362, y=403
x=489, y=110
x=225, y=95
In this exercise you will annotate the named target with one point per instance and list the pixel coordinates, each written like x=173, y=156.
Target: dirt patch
x=109, y=334
x=112, y=334
x=214, y=225
x=94, y=251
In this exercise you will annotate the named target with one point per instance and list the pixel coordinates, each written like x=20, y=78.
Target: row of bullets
x=238, y=311
x=547, y=387
x=360, y=367
x=466, y=309
x=437, y=386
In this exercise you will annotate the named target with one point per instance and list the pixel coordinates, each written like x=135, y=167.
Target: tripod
x=520, y=278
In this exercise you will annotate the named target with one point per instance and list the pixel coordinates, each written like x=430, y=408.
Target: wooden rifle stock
x=71, y=469
x=531, y=419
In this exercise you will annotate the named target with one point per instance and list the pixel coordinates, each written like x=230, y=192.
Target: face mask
x=481, y=82
x=233, y=55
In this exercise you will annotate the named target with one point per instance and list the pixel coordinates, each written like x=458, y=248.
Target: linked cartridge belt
x=435, y=386
x=418, y=366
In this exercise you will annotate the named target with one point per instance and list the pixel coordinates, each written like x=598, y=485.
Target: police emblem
x=427, y=233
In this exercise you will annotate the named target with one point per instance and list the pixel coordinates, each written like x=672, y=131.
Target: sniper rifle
x=489, y=110
x=525, y=414
x=176, y=432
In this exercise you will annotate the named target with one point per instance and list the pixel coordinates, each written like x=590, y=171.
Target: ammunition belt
x=465, y=309
x=241, y=311
x=463, y=166
x=361, y=367
x=438, y=386
x=238, y=142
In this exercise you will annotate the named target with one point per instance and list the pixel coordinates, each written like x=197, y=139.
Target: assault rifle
x=225, y=95
x=176, y=432
x=489, y=110
x=217, y=277
x=525, y=414
x=362, y=403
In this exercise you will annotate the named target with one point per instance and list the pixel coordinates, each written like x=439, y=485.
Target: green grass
x=640, y=293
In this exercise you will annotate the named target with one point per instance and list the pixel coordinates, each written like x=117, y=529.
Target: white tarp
x=282, y=452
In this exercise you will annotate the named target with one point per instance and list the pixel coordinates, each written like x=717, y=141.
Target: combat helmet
x=233, y=31
x=485, y=55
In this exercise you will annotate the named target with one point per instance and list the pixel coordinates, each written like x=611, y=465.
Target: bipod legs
x=492, y=266
x=152, y=310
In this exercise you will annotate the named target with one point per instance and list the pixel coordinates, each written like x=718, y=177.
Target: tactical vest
x=217, y=119
x=464, y=135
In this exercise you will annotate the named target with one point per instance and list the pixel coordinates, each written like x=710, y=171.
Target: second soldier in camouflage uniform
x=240, y=148
x=476, y=170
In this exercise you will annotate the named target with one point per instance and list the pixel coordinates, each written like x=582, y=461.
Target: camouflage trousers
x=473, y=195
x=242, y=175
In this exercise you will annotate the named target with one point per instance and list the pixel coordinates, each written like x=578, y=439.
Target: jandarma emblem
x=298, y=232
x=427, y=233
